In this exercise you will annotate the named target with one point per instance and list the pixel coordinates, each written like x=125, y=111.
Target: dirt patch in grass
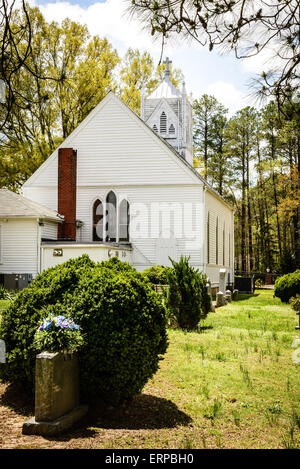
x=102, y=427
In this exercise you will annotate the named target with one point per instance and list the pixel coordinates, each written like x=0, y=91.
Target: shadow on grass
x=17, y=399
x=245, y=296
x=144, y=411
x=205, y=328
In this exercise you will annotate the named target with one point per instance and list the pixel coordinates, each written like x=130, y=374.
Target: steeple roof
x=166, y=89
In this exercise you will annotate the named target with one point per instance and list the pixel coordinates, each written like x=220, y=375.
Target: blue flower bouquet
x=58, y=333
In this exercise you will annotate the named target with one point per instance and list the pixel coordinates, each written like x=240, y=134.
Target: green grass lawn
x=3, y=305
x=232, y=385
x=236, y=379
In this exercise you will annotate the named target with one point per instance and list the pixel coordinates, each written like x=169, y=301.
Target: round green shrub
x=287, y=286
x=157, y=274
x=123, y=322
x=295, y=303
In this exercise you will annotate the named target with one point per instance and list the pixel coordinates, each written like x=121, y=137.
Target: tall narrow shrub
x=187, y=299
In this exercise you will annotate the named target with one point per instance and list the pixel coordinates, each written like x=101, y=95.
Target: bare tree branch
x=246, y=27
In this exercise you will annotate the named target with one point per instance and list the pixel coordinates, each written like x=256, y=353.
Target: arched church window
x=111, y=217
x=98, y=221
x=163, y=123
x=124, y=221
x=171, y=129
x=155, y=128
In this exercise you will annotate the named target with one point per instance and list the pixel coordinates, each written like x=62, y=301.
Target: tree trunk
x=243, y=214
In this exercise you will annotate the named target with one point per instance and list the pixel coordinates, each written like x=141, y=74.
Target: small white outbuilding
x=23, y=224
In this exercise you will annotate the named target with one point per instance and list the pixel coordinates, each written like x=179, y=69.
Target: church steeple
x=169, y=113
x=167, y=69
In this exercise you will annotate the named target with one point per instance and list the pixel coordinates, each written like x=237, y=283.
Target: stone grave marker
x=57, y=405
x=228, y=295
x=220, y=299
x=222, y=280
x=2, y=351
x=235, y=295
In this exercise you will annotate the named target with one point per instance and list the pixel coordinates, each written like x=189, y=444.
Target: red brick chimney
x=67, y=167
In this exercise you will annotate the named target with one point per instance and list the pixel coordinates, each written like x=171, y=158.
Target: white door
x=166, y=248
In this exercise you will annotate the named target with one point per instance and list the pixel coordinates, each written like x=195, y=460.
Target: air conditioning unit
x=16, y=281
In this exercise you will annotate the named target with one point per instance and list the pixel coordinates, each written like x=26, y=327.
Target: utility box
x=244, y=284
x=15, y=281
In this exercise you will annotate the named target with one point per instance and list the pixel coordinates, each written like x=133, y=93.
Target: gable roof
x=188, y=169
x=161, y=105
x=51, y=164
x=14, y=205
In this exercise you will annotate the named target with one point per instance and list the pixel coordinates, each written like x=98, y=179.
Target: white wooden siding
x=180, y=197
x=1, y=243
x=43, y=195
x=49, y=230
x=97, y=253
x=20, y=246
x=115, y=147
x=217, y=209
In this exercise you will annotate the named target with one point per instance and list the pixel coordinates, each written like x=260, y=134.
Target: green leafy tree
x=15, y=50
x=240, y=145
x=204, y=110
x=220, y=170
x=137, y=73
x=210, y=123
x=48, y=110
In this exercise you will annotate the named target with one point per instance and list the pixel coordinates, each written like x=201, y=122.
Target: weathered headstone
x=235, y=295
x=222, y=280
x=208, y=286
x=56, y=394
x=2, y=351
x=228, y=295
x=220, y=299
x=298, y=327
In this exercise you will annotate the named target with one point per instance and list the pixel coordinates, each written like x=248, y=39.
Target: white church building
x=120, y=185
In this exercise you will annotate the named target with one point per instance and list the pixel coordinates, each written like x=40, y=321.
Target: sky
x=223, y=76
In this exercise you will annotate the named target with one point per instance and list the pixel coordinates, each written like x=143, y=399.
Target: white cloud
x=262, y=62
x=110, y=19
x=228, y=95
